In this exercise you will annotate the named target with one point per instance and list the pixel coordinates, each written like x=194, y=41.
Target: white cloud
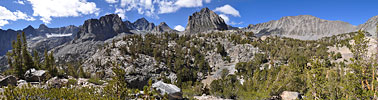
x=207, y=1
x=19, y=2
x=225, y=18
x=227, y=9
x=62, y=8
x=7, y=15
x=152, y=8
x=167, y=7
x=121, y=13
x=111, y=1
x=171, y=6
x=145, y=7
x=3, y=22
x=179, y=28
x=189, y=3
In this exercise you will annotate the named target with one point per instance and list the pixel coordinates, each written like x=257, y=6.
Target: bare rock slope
x=370, y=25
x=305, y=27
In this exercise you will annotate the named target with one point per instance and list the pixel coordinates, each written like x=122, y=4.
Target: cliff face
x=101, y=29
x=305, y=27
x=92, y=34
x=205, y=20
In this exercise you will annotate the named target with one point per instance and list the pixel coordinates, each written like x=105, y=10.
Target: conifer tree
x=36, y=60
x=28, y=59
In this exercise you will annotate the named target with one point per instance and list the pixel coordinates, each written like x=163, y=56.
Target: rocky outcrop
x=34, y=75
x=138, y=70
x=173, y=91
x=56, y=82
x=9, y=80
x=162, y=27
x=305, y=27
x=288, y=95
x=101, y=29
x=370, y=26
x=205, y=20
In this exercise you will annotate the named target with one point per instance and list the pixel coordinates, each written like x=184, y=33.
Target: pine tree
x=15, y=57
x=36, y=60
x=47, y=60
x=52, y=68
x=20, y=59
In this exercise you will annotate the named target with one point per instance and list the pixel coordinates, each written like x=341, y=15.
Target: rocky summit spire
x=205, y=20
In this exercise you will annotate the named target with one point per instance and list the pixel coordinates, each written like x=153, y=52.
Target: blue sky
x=18, y=14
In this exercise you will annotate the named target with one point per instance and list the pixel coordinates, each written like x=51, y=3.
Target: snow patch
x=58, y=35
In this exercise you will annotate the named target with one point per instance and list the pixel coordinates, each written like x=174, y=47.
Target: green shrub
x=96, y=81
x=72, y=82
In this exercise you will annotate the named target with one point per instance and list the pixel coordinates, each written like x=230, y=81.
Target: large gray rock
x=305, y=27
x=34, y=75
x=9, y=80
x=289, y=95
x=173, y=91
x=56, y=82
x=205, y=20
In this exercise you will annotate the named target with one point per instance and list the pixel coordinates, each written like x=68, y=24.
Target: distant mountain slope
x=370, y=26
x=43, y=32
x=304, y=27
x=143, y=25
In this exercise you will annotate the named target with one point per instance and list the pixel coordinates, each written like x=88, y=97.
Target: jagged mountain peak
x=163, y=24
x=101, y=29
x=205, y=10
x=42, y=26
x=143, y=24
x=162, y=27
x=141, y=20
x=29, y=27
x=205, y=20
